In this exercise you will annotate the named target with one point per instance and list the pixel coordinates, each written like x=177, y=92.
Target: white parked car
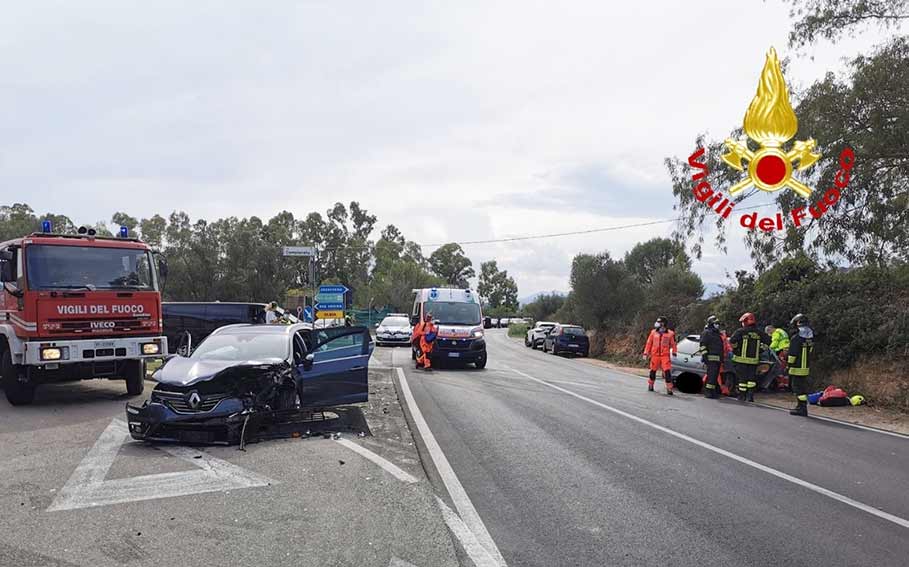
x=395, y=329
x=494, y=322
x=535, y=336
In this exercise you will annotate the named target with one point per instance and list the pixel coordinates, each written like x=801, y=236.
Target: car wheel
x=480, y=363
x=17, y=393
x=585, y=354
x=554, y=351
x=527, y=342
x=135, y=377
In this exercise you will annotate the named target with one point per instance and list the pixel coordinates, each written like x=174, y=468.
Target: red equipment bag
x=834, y=396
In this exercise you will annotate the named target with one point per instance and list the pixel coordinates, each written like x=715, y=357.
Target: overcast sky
x=453, y=120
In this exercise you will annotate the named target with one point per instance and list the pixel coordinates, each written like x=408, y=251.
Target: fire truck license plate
x=104, y=344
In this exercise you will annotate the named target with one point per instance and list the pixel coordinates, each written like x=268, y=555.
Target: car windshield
x=395, y=322
x=88, y=267
x=574, y=331
x=453, y=313
x=242, y=347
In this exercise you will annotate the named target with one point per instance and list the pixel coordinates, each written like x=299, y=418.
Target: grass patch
x=517, y=330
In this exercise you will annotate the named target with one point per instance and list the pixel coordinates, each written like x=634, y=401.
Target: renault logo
x=194, y=400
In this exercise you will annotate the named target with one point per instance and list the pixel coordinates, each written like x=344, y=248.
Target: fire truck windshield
x=51, y=267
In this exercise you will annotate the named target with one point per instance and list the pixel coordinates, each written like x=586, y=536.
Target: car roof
x=261, y=329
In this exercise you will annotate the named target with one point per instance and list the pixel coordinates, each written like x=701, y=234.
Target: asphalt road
x=566, y=464
x=300, y=502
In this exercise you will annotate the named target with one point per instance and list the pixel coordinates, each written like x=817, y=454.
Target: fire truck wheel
x=135, y=377
x=17, y=393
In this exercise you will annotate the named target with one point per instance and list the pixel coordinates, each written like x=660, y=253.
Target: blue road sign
x=329, y=306
x=333, y=289
x=307, y=314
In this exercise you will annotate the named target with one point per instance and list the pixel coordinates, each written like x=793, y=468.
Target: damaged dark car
x=244, y=378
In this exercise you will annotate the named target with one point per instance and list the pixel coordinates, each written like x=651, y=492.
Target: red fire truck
x=74, y=307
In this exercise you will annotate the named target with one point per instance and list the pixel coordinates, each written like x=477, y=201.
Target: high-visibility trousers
x=660, y=363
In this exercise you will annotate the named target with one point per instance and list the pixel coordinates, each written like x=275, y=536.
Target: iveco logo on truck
x=103, y=324
x=100, y=309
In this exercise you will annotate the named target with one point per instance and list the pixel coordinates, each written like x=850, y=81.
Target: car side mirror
x=308, y=361
x=185, y=346
x=7, y=270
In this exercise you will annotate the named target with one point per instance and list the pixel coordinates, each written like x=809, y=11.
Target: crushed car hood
x=186, y=371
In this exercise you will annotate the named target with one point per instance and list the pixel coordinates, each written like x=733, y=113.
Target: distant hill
x=712, y=289
x=531, y=298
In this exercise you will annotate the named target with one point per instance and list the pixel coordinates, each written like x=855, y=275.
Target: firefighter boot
x=741, y=391
x=651, y=380
x=749, y=396
x=668, y=379
x=710, y=393
x=800, y=409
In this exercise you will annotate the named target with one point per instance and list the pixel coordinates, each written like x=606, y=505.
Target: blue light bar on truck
x=124, y=232
x=46, y=226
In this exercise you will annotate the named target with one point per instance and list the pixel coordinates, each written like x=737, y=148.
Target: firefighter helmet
x=747, y=319
x=799, y=320
x=713, y=321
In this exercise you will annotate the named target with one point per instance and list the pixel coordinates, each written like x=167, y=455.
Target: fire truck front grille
x=66, y=326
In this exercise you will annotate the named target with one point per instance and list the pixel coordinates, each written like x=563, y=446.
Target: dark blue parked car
x=563, y=339
x=243, y=376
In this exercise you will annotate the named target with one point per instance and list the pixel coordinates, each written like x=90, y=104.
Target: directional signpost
x=308, y=314
x=330, y=302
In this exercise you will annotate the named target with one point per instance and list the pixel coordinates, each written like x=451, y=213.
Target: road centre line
x=468, y=514
x=779, y=474
x=390, y=467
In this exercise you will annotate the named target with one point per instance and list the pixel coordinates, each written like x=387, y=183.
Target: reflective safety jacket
x=746, y=344
x=800, y=349
x=712, y=345
x=660, y=344
x=779, y=340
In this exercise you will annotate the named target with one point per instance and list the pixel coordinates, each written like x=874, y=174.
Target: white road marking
x=472, y=547
x=86, y=487
x=398, y=562
x=458, y=495
x=779, y=474
x=392, y=468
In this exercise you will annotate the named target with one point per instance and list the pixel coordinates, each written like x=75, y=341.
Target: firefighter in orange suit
x=660, y=345
x=423, y=338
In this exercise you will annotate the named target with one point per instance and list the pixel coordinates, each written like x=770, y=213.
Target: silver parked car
x=688, y=369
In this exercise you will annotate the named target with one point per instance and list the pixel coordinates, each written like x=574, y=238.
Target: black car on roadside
x=567, y=339
x=201, y=318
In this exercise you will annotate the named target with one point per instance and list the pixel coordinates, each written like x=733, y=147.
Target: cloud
x=461, y=121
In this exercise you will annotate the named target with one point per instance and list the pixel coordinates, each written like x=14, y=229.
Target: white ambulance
x=459, y=318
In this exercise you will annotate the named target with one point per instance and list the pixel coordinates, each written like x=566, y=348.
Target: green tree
x=152, y=230
x=831, y=19
x=647, y=257
x=17, y=220
x=545, y=306
x=497, y=288
x=603, y=291
x=449, y=263
x=123, y=219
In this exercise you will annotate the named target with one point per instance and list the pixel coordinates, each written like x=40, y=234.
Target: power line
x=575, y=232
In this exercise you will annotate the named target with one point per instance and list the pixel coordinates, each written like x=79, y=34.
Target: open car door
x=334, y=370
